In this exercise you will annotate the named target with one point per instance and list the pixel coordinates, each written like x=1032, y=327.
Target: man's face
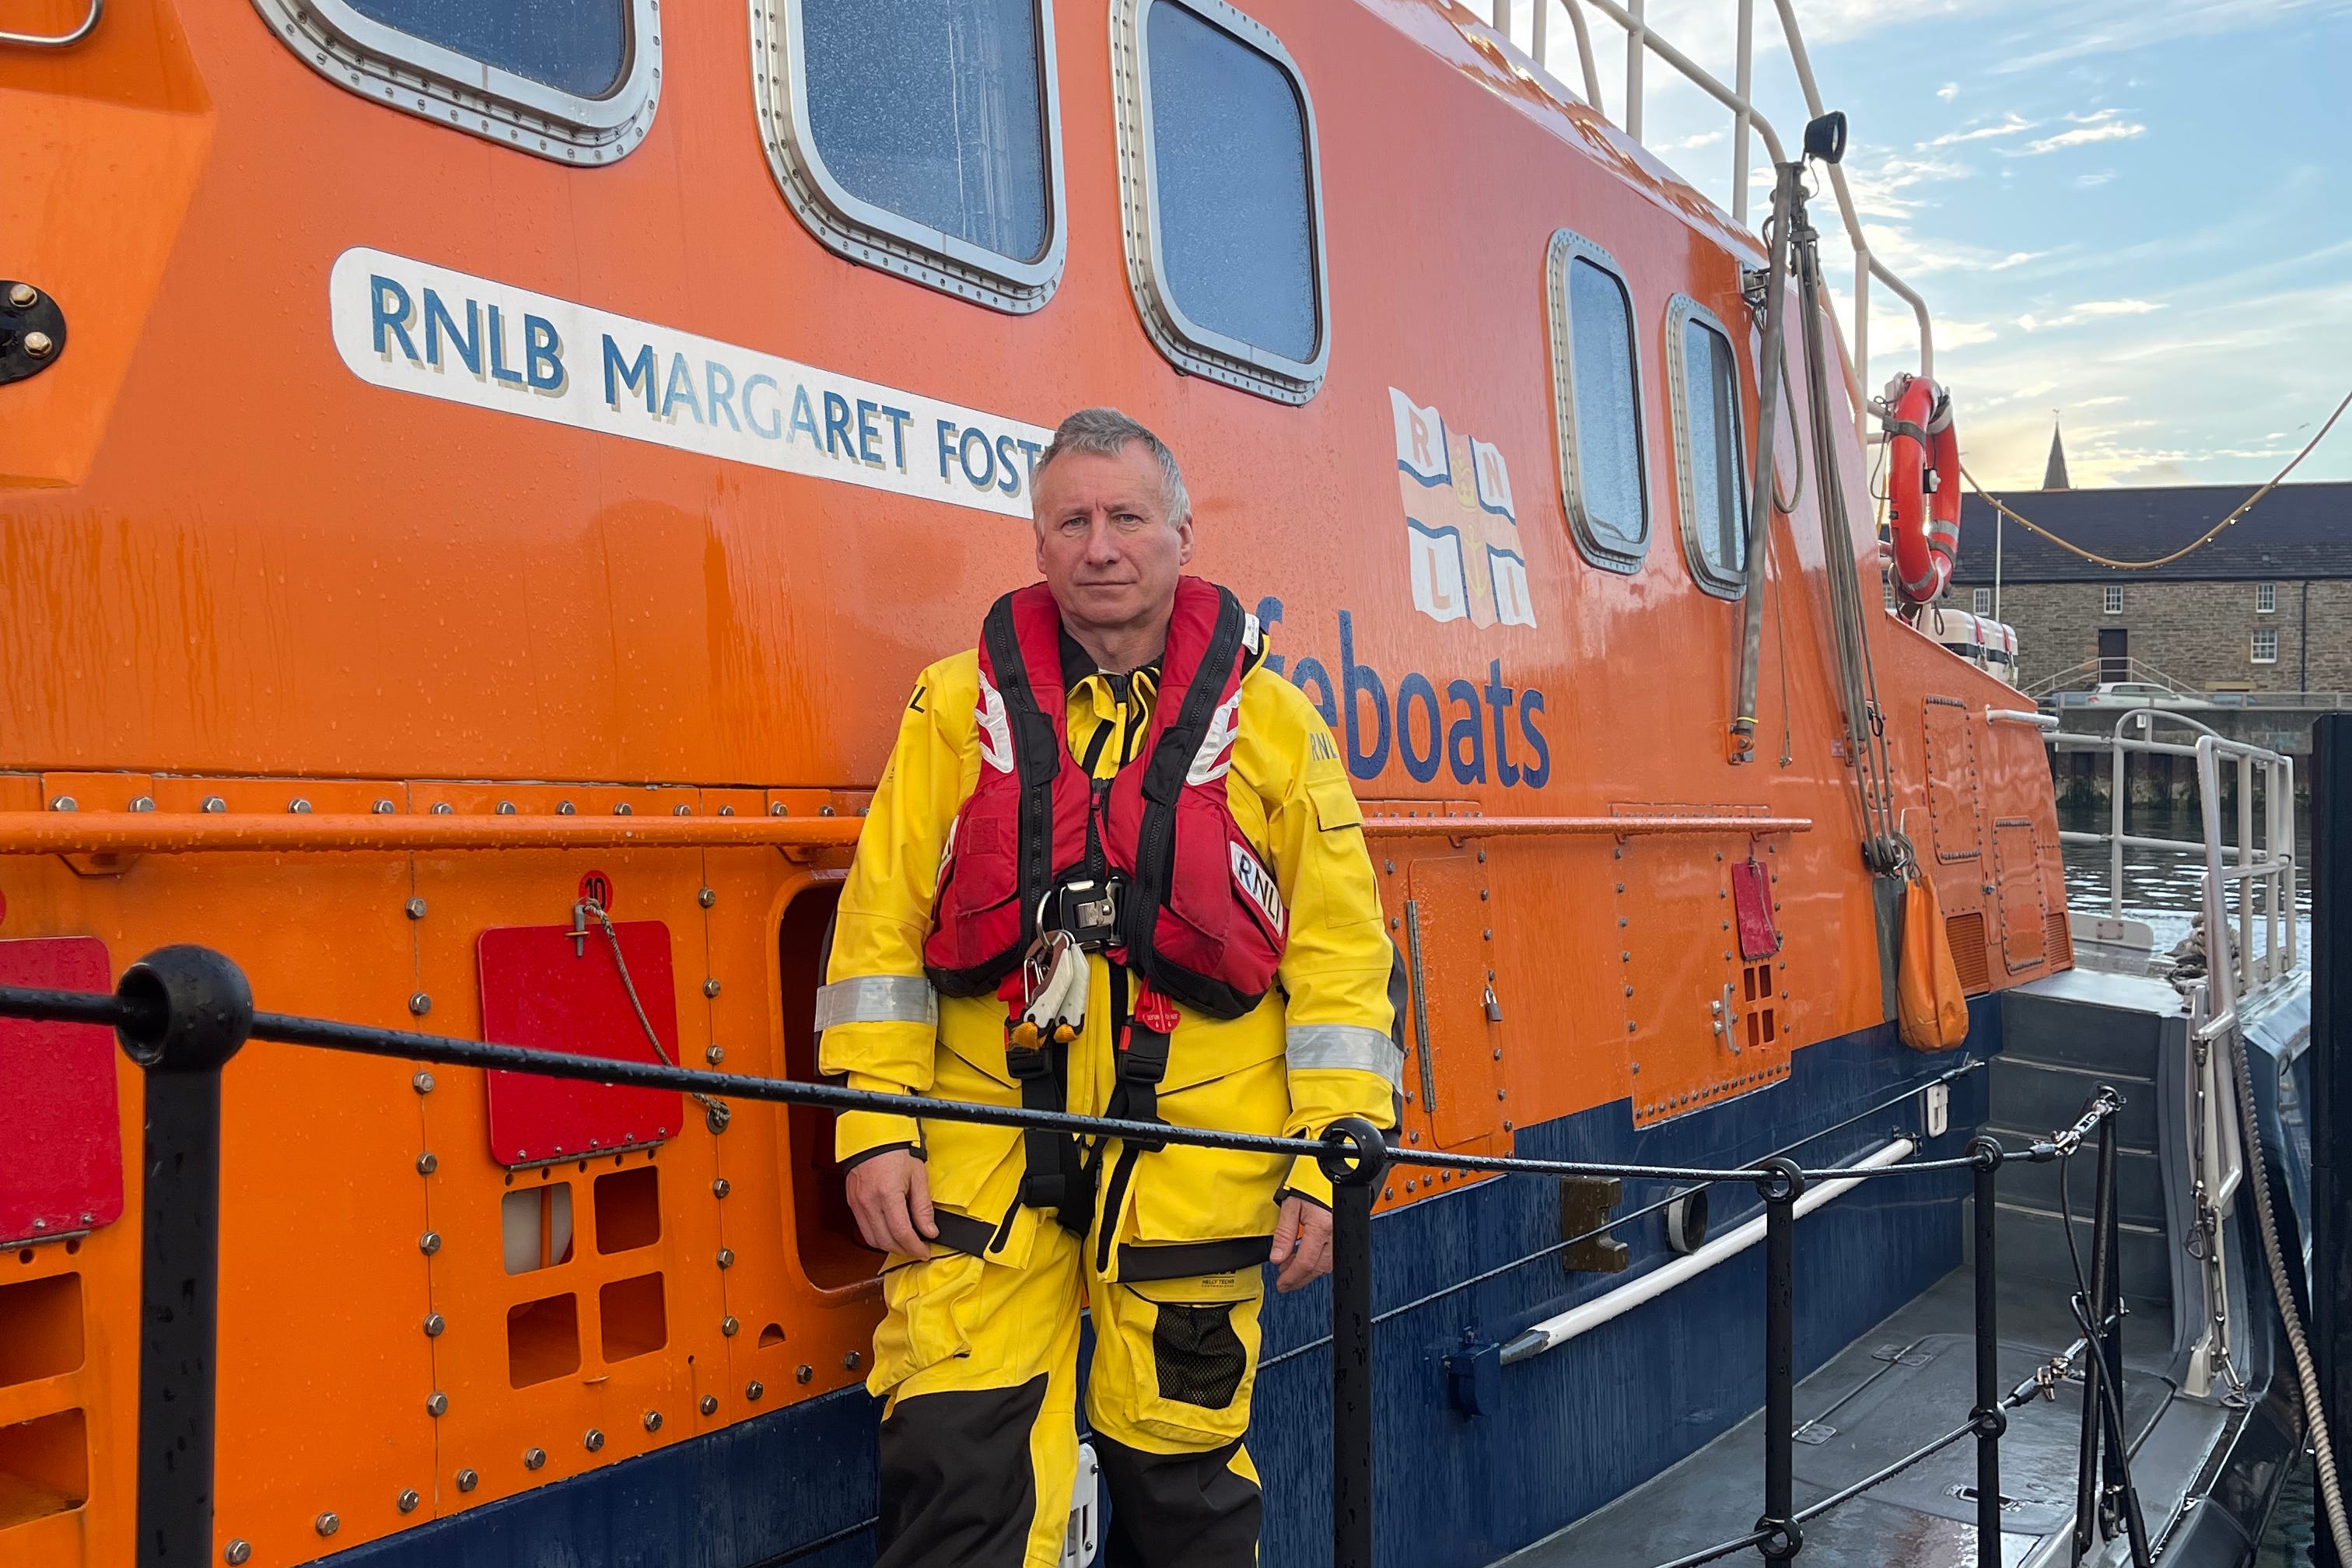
x=1104, y=541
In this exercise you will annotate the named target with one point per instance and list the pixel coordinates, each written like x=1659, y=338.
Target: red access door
x=60, y=1125
x=556, y=989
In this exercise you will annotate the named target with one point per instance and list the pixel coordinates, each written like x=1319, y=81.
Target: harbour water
x=2160, y=887
x=2163, y=888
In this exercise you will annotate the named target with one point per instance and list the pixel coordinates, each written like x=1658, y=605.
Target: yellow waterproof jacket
x=1321, y=1046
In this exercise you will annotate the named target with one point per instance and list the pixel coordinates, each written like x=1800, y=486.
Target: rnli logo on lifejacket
x=1257, y=884
x=1459, y=523
x=413, y=327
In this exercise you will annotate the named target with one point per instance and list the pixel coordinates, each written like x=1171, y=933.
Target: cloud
x=2082, y=135
x=1691, y=144
x=1948, y=91
x=2091, y=181
x=2010, y=124
x=2088, y=310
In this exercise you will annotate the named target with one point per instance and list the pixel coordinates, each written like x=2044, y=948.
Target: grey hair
x=1106, y=433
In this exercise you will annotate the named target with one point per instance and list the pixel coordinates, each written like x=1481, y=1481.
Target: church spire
x=2053, y=477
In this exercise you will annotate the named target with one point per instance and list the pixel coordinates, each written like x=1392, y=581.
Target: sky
x=2132, y=216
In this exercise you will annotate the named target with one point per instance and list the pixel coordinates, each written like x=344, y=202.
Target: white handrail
x=2264, y=874
x=1641, y=41
x=1586, y=1316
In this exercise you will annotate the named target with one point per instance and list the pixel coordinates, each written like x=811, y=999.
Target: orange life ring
x=1923, y=487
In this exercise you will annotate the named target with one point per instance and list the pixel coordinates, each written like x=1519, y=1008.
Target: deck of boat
x=1890, y=1392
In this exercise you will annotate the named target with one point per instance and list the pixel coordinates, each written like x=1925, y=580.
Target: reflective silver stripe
x=877, y=999
x=1316, y=1046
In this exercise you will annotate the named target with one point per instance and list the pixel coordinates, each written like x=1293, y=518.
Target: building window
x=2115, y=598
x=922, y=137
x=2267, y=646
x=1218, y=175
x=1709, y=462
x=571, y=80
x=1596, y=392
x=1984, y=601
x=2265, y=598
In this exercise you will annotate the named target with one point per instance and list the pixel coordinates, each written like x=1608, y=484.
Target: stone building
x=2266, y=606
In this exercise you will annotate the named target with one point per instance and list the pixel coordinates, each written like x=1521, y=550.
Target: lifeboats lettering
x=413, y=327
x=1470, y=735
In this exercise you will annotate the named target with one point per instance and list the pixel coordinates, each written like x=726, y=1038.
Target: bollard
x=191, y=1009
x=1357, y=1152
x=1990, y=1422
x=1781, y=1184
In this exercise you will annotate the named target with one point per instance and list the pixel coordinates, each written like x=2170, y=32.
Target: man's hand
x=891, y=1196
x=1302, y=1243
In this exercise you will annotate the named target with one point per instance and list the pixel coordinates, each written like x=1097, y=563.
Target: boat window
x=1597, y=405
x=1710, y=458
x=571, y=80
x=922, y=137
x=1224, y=218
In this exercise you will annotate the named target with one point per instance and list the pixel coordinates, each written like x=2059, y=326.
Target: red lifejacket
x=1201, y=920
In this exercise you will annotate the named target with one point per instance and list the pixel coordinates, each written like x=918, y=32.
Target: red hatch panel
x=60, y=1124
x=1751, y=897
x=542, y=989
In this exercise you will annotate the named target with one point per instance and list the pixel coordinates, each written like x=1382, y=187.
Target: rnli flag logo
x=1459, y=523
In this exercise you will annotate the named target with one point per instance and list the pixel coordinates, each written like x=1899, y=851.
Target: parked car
x=2133, y=694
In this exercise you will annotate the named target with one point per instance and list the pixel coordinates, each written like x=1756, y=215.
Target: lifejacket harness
x=1046, y=862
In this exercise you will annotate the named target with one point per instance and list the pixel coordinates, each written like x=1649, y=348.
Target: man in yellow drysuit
x=1241, y=980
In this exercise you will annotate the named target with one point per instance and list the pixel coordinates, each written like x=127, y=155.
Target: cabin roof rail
x=1641, y=41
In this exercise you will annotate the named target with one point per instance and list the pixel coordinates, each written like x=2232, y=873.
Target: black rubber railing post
x=1357, y=1152
x=189, y=1009
x=2330, y=964
x=1779, y=1185
x=1989, y=1420
x=2119, y=1497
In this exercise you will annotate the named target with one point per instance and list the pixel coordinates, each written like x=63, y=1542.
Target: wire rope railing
x=183, y=1012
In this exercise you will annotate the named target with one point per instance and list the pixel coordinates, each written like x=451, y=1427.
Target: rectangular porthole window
x=1710, y=462
x=2265, y=598
x=1218, y=175
x=922, y=137
x=2266, y=646
x=1597, y=405
x=1984, y=601
x=2115, y=599
x=571, y=80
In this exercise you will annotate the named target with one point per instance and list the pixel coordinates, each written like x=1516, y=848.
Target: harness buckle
x=1088, y=909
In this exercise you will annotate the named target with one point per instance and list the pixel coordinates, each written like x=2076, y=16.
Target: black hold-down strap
x=1055, y=1177
x=1135, y=1097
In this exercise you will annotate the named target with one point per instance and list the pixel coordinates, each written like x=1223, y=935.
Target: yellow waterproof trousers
x=978, y=1356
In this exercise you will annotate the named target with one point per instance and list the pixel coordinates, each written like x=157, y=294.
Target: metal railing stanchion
x=192, y=1010
x=1988, y=1417
x=1357, y=1153
x=1779, y=1185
